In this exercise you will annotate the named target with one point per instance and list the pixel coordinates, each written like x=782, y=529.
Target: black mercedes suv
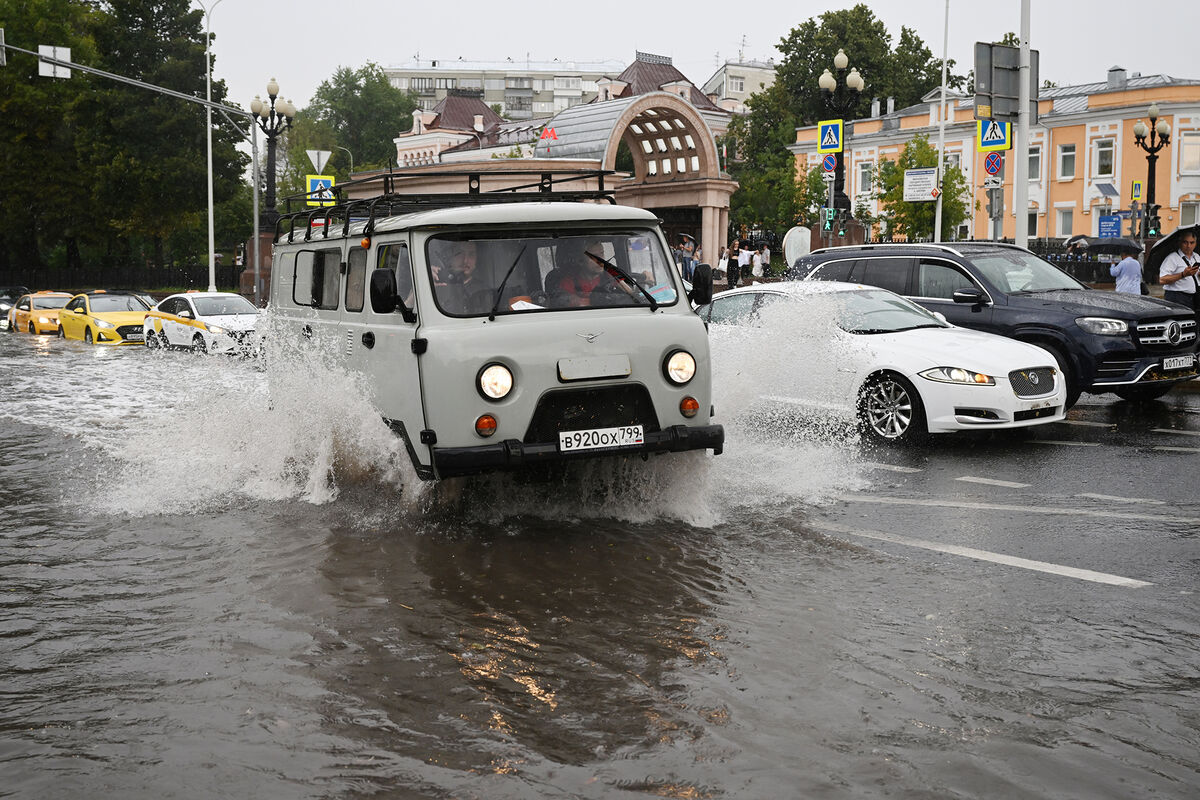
x=1138, y=347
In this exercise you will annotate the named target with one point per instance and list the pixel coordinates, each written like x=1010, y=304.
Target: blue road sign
x=1110, y=226
x=993, y=163
x=829, y=136
x=992, y=135
x=829, y=163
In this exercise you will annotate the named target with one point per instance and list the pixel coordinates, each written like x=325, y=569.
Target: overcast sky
x=302, y=42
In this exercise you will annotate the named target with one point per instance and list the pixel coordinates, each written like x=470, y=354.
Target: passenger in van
x=461, y=288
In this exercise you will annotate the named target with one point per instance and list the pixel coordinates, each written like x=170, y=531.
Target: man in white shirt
x=744, y=259
x=1178, y=272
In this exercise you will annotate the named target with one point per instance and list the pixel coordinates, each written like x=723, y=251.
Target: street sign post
x=920, y=185
x=993, y=135
x=997, y=82
x=829, y=136
x=1110, y=226
x=320, y=190
x=993, y=182
x=993, y=163
x=829, y=163
x=1135, y=191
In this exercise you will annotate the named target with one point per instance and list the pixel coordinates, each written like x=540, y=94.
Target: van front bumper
x=513, y=454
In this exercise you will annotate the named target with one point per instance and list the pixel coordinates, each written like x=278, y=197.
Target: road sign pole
x=1021, y=173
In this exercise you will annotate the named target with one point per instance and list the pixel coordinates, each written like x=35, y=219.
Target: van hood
x=1096, y=303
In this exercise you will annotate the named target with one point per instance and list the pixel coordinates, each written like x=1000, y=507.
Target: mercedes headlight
x=104, y=324
x=1103, y=326
x=680, y=367
x=495, y=381
x=958, y=375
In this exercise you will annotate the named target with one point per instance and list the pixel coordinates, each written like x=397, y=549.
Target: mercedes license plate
x=601, y=438
x=1178, y=362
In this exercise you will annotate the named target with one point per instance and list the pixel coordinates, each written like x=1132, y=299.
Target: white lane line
x=1178, y=449
x=995, y=558
x=890, y=467
x=1116, y=499
x=1091, y=424
x=961, y=504
x=1065, y=443
x=1173, y=430
x=993, y=482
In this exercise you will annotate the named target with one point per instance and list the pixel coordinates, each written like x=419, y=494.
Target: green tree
x=364, y=111
x=916, y=220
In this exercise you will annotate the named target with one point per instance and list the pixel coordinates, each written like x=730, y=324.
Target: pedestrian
x=733, y=270
x=756, y=267
x=766, y=258
x=744, y=254
x=1178, y=272
x=1128, y=272
x=687, y=256
x=723, y=261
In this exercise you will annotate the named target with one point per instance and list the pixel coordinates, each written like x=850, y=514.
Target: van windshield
x=548, y=272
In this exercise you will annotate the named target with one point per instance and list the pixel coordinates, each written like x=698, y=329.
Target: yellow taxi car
x=37, y=312
x=103, y=318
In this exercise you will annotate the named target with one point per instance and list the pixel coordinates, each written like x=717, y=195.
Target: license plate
x=1178, y=362
x=601, y=438
x=135, y=337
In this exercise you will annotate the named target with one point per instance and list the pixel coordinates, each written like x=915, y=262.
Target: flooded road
x=209, y=592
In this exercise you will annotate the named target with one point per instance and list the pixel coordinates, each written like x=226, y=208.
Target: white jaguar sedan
x=208, y=322
x=901, y=370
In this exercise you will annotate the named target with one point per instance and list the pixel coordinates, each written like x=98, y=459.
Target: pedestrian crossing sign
x=320, y=190
x=829, y=136
x=992, y=135
x=1135, y=192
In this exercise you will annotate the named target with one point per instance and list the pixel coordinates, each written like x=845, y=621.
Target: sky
x=302, y=42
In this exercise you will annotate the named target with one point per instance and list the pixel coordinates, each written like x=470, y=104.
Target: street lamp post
x=841, y=96
x=1160, y=130
x=212, y=248
x=339, y=147
x=273, y=122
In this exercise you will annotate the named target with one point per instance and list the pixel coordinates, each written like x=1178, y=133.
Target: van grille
x=597, y=407
x=1032, y=382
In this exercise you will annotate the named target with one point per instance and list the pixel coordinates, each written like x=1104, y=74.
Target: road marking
x=1116, y=499
x=995, y=558
x=890, y=467
x=1178, y=449
x=1065, y=443
x=1172, y=430
x=961, y=504
x=993, y=482
x=1092, y=424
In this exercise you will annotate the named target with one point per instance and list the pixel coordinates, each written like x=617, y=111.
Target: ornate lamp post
x=841, y=96
x=1162, y=131
x=272, y=121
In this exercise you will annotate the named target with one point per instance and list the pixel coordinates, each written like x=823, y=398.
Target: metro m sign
x=548, y=133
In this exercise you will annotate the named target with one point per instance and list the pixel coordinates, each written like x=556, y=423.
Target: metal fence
x=190, y=276
x=1080, y=266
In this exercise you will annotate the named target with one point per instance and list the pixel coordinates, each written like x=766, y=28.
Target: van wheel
x=1140, y=394
x=890, y=410
x=87, y=336
x=1064, y=366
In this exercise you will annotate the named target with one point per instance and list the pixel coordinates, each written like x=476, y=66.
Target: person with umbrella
x=1128, y=271
x=1178, y=271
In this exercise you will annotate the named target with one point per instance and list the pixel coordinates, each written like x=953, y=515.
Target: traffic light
x=842, y=216
x=828, y=215
x=1153, y=226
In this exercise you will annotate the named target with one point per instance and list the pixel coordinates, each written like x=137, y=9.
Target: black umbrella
x=1113, y=245
x=1167, y=245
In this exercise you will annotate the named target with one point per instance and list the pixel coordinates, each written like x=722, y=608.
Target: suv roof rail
x=880, y=245
x=393, y=202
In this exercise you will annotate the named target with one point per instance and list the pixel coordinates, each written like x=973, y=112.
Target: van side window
x=395, y=258
x=886, y=273
x=317, y=275
x=356, y=279
x=939, y=280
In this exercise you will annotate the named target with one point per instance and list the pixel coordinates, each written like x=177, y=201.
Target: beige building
x=1083, y=160
x=734, y=81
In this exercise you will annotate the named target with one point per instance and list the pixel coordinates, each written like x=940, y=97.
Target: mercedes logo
x=1174, y=332
x=590, y=337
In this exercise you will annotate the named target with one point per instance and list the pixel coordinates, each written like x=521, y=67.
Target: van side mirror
x=384, y=299
x=971, y=296
x=702, y=285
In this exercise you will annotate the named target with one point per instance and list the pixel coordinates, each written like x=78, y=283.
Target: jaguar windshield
x=1017, y=271
x=497, y=274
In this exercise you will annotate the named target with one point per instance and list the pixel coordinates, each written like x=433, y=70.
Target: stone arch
x=664, y=133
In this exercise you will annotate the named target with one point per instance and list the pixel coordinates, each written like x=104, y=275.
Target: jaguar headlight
x=680, y=367
x=495, y=381
x=1103, y=326
x=100, y=323
x=958, y=375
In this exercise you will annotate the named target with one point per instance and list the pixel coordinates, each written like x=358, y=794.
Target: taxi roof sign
x=829, y=136
x=991, y=134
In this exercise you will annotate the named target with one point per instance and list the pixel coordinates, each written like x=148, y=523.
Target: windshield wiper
x=500, y=289
x=616, y=272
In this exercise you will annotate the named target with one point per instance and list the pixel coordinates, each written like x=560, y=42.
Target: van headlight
x=680, y=367
x=495, y=382
x=1103, y=326
x=957, y=375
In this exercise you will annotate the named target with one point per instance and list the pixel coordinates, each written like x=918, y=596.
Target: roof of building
x=644, y=76
x=559, y=66
x=457, y=113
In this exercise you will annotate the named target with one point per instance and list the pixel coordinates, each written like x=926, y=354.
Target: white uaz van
x=503, y=335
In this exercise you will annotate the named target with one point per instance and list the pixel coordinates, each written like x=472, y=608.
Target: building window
x=517, y=103
x=567, y=83
x=953, y=160
x=1035, y=162
x=1104, y=158
x=421, y=84
x=493, y=84
x=1066, y=218
x=400, y=83
x=1066, y=162
x=1189, y=214
x=518, y=83
x=1189, y=153
x=1031, y=228
x=737, y=84
x=864, y=177
x=447, y=83
x=544, y=107
x=470, y=83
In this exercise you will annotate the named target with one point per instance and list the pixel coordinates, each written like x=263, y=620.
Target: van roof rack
x=393, y=202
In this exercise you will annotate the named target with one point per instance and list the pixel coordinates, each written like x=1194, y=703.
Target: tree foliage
x=916, y=220
x=364, y=111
